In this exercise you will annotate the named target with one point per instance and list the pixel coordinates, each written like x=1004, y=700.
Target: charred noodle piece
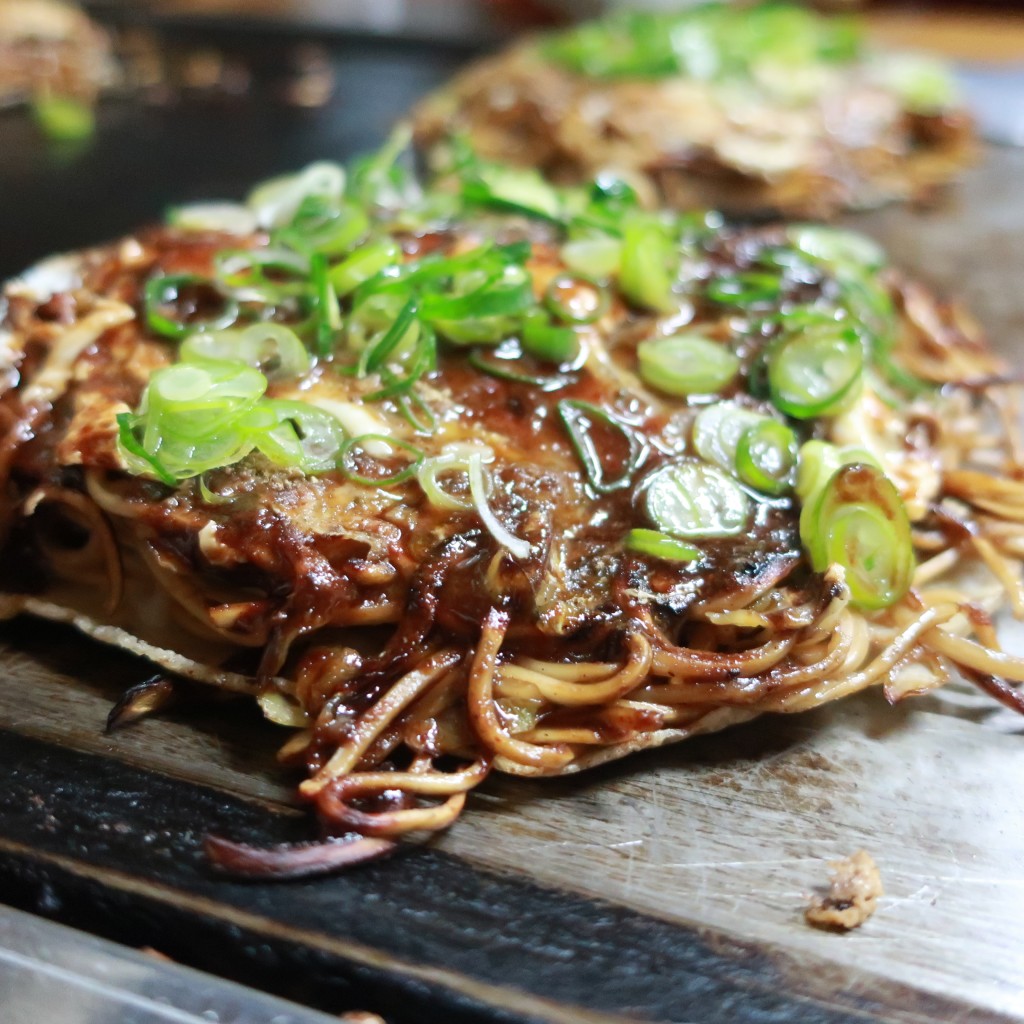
x=753, y=109
x=318, y=461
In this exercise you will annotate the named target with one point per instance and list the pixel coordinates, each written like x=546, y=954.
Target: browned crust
x=683, y=149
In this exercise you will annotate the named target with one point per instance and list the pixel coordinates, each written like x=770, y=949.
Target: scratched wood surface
x=724, y=837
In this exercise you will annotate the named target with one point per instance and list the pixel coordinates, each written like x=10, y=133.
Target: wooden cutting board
x=669, y=887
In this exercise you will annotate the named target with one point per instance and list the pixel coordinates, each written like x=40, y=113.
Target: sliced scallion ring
x=230, y=218
x=138, y=459
x=597, y=256
x=837, y=248
x=276, y=202
x=689, y=498
x=660, y=545
x=504, y=364
x=522, y=190
x=349, y=454
x=717, y=431
x=815, y=372
x=858, y=521
x=687, y=364
x=273, y=349
x=365, y=263
x=299, y=435
x=576, y=299
x=268, y=275
x=582, y=421
x=766, y=456
x=747, y=288
x=644, y=275
x=547, y=341
x=169, y=315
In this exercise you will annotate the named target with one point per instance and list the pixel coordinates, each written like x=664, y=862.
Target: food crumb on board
x=852, y=896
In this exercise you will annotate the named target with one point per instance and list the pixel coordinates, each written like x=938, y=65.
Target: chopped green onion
x=687, y=364
x=454, y=459
x=858, y=521
x=193, y=415
x=417, y=413
x=576, y=299
x=365, y=263
x=836, y=248
x=717, y=431
x=545, y=341
x=506, y=292
x=582, y=421
x=138, y=459
x=924, y=84
x=297, y=434
x=815, y=372
x=326, y=310
x=63, y=118
x=501, y=363
x=421, y=360
x=660, y=545
x=478, y=489
x=766, y=457
x=230, y=218
x=749, y=288
x=246, y=274
x=688, y=498
x=599, y=256
x=521, y=190
x=348, y=460
x=277, y=201
x=169, y=315
x=644, y=276
x=376, y=353
x=273, y=349
x=321, y=226
x=818, y=462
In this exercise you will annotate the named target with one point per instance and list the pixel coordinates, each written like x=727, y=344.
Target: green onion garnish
x=276, y=202
x=297, y=435
x=596, y=256
x=326, y=311
x=365, y=263
x=582, y=422
x=544, y=340
x=766, y=456
x=858, y=521
x=520, y=190
x=269, y=275
x=815, y=372
x=349, y=460
x=169, y=314
x=835, y=248
x=660, y=545
x=321, y=226
x=138, y=459
x=717, y=431
x=687, y=364
x=576, y=299
x=749, y=288
x=502, y=362
x=64, y=118
x=688, y=498
x=644, y=276
x=273, y=349
x=193, y=415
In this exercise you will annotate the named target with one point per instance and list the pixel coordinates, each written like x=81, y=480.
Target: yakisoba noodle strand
x=498, y=476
